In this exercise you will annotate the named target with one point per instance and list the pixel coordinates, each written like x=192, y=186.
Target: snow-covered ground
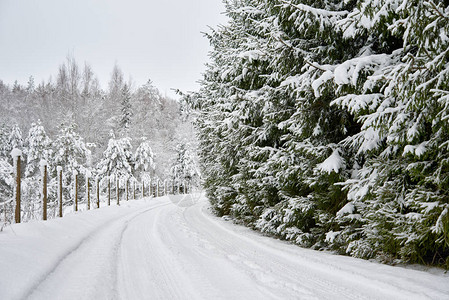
x=173, y=248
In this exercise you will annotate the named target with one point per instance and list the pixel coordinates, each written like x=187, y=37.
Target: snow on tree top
x=59, y=168
x=42, y=165
x=75, y=172
x=16, y=153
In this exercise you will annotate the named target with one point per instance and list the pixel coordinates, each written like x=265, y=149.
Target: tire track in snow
x=175, y=268
x=153, y=270
x=266, y=269
x=165, y=276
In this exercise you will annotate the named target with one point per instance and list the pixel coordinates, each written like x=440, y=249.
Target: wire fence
x=50, y=196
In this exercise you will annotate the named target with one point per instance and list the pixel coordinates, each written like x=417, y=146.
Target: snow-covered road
x=173, y=248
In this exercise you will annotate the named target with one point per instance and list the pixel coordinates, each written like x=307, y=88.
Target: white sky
x=159, y=40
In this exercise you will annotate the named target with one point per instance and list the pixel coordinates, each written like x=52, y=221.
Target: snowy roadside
x=353, y=278
x=349, y=277
x=30, y=251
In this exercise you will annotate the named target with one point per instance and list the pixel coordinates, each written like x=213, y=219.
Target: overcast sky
x=159, y=40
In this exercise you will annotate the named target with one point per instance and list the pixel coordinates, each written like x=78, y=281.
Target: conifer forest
x=326, y=123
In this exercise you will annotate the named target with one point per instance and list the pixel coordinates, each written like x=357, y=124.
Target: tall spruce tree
x=144, y=164
x=401, y=191
x=184, y=169
x=117, y=158
x=71, y=152
x=38, y=147
x=15, y=139
x=126, y=109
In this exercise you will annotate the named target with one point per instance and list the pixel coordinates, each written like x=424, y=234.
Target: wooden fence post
x=97, y=183
x=59, y=172
x=134, y=190
x=75, y=188
x=127, y=189
x=109, y=190
x=118, y=190
x=43, y=165
x=143, y=189
x=88, y=189
x=16, y=154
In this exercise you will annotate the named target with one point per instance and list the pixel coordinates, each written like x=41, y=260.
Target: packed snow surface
x=174, y=248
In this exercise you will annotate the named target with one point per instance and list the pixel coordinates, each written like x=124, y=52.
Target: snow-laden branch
x=317, y=12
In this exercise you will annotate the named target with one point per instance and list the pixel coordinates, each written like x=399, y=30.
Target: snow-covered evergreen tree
x=401, y=103
x=117, y=158
x=144, y=165
x=15, y=139
x=38, y=147
x=4, y=141
x=6, y=188
x=126, y=109
x=6, y=171
x=184, y=169
x=146, y=122
x=263, y=125
x=71, y=151
x=71, y=154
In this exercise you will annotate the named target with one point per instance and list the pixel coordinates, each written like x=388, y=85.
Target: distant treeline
x=75, y=97
x=131, y=133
